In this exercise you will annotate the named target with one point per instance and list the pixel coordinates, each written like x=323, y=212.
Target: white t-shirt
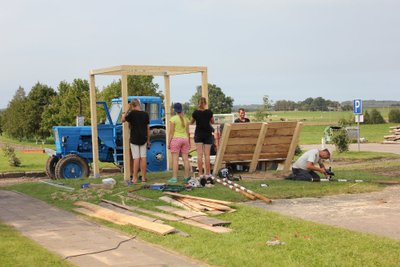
x=309, y=156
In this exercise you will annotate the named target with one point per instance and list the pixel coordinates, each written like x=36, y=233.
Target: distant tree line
x=309, y=104
x=31, y=116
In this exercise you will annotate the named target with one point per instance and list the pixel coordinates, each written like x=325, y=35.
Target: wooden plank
x=199, y=198
x=277, y=140
x=282, y=124
x=213, y=205
x=237, y=158
x=127, y=212
x=118, y=217
x=221, y=149
x=275, y=148
x=242, y=141
x=95, y=215
x=246, y=126
x=178, y=204
x=93, y=118
x=182, y=213
x=193, y=205
x=214, y=229
x=244, y=133
x=259, y=145
x=164, y=216
x=243, y=149
x=201, y=219
x=290, y=154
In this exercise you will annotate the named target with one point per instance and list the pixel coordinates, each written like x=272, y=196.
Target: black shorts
x=201, y=138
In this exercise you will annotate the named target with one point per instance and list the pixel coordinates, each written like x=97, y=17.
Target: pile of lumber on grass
x=153, y=221
x=198, y=204
x=394, y=137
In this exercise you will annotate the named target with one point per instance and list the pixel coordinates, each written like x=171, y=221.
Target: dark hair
x=327, y=151
x=241, y=109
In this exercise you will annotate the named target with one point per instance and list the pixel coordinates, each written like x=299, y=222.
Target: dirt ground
x=376, y=213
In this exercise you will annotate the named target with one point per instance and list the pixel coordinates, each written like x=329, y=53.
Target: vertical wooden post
x=93, y=118
x=167, y=107
x=125, y=128
x=259, y=145
x=292, y=148
x=222, y=148
x=204, y=85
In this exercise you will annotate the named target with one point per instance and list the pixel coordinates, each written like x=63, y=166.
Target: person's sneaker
x=203, y=180
x=128, y=183
x=173, y=180
x=186, y=180
x=210, y=179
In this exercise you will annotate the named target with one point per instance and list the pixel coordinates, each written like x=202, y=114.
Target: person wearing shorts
x=203, y=137
x=139, y=139
x=179, y=142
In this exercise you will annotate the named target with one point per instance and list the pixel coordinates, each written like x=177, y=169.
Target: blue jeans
x=304, y=175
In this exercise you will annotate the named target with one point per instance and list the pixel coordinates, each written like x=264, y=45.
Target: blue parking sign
x=357, y=106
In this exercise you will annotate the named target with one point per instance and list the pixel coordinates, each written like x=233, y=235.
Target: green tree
x=374, y=117
x=137, y=86
x=285, y=105
x=14, y=117
x=341, y=140
x=394, y=115
x=71, y=100
x=38, y=98
x=262, y=113
x=218, y=101
x=1, y=122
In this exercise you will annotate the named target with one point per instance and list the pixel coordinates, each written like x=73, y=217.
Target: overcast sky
x=287, y=49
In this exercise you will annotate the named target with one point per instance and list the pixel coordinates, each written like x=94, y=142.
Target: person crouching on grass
x=179, y=142
x=140, y=137
x=305, y=167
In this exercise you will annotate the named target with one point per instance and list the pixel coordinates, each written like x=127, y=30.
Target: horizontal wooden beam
x=147, y=70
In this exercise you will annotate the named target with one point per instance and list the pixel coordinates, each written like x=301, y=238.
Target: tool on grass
x=330, y=174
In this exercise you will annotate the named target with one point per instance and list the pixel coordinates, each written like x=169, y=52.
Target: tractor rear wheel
x=157, y=153
x=72, y=166
x=51, y=167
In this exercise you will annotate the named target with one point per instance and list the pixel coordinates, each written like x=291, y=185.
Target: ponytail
x=180, y=114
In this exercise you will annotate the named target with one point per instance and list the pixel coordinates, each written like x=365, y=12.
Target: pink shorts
x=179, y=145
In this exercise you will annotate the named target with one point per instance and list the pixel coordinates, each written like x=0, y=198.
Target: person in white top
x=307, y=166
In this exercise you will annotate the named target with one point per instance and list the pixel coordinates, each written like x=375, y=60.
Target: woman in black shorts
x=203, y=136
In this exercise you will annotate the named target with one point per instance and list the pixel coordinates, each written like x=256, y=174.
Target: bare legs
x=203, y=150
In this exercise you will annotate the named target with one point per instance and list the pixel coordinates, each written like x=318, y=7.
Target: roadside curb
x=5, y=175
x=41, y=174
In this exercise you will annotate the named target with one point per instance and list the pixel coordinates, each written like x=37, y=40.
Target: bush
x=341, y=140
x=9, y=152
x=394, y=115
x=375, y=117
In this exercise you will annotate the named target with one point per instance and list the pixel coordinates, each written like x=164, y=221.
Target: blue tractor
x=73, y=155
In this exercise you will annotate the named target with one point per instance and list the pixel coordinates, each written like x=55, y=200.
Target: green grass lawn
x=17, y=250
x=374, y=133
x=307, y=243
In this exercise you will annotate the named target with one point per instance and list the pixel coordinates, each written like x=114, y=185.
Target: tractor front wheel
x=51, y=167
x=71, y=166
x=157, y=153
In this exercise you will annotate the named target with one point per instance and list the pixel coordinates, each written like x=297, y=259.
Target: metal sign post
x=357, y=108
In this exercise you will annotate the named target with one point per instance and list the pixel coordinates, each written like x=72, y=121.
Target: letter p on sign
x=357, y=106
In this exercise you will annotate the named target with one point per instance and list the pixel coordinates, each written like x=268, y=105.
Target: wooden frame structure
x=124, y=71
x=256, y=142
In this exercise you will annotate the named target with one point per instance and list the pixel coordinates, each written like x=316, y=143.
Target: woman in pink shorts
x=179, y=142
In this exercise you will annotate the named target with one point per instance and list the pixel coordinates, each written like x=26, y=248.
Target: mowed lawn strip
x=17, y=250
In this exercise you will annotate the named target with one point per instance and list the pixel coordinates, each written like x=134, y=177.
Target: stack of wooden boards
x=152, y=221
x=394, y=138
